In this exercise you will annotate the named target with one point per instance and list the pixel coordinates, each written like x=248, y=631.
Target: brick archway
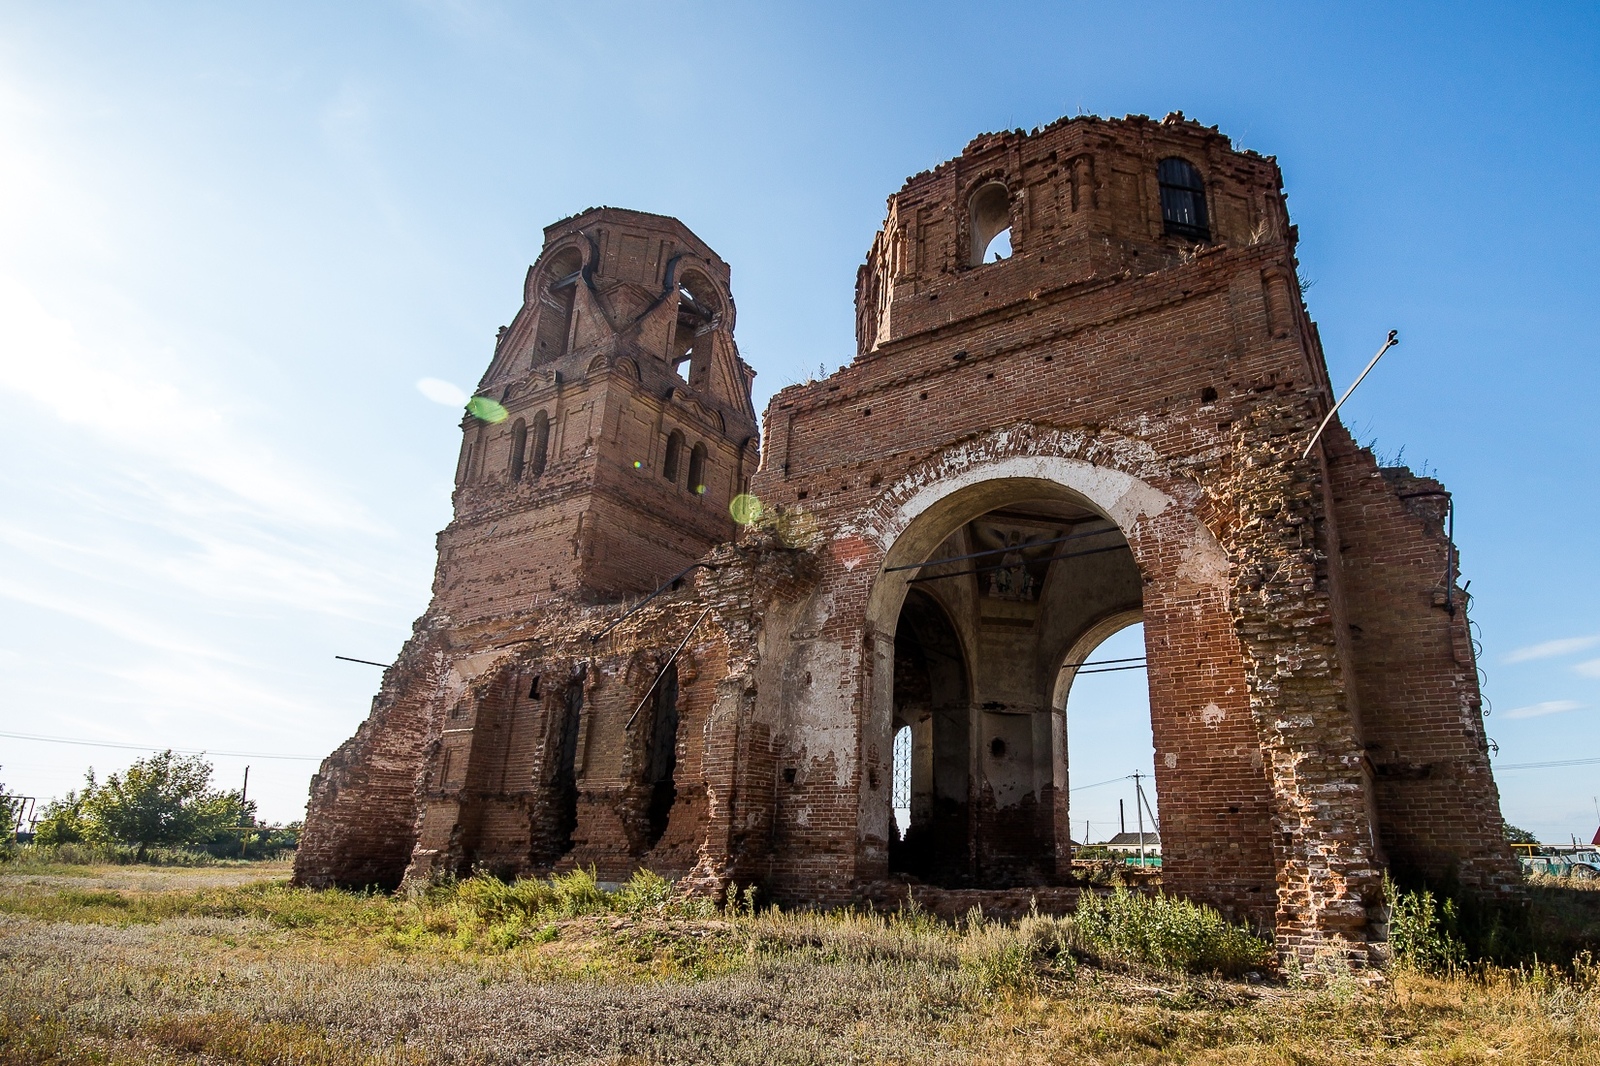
x=1210, y=766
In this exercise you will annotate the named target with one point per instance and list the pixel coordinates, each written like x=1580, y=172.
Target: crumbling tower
x=628, y=427
x=627, y=430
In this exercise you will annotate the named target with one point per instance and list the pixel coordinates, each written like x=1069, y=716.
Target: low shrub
x=85, y=854
x=1166, y=933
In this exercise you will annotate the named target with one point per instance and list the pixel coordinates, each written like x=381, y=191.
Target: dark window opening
x=699, y=311
x=697, y=470
x=556, y=304
x=540, y=451
x=1183, y=200
x=663, y=759
x=519, y=445
x=674, y=456
x=533, y=689
x=564, y=781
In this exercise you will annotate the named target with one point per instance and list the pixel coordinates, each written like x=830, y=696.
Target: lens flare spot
x=486, y=409
x=637, y=464
x=699, y=490
x=746, y=509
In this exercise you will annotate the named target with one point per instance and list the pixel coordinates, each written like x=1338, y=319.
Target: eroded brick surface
x=1025, y=455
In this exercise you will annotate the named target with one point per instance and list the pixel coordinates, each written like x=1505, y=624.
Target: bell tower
x=624, y=425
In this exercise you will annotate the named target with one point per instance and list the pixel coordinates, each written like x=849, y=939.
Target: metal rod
x=1013, y=566
x=1102, y=662
x=1000, y=551
x=1111, y=669
x=629, y=613
x=1394, y=339
x=663, y=671
x=367, y=662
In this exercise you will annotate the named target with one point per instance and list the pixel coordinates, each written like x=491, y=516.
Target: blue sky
x=234, y=237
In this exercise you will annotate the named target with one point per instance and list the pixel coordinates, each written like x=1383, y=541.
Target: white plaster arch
x=1110, y=474
x=916, y=514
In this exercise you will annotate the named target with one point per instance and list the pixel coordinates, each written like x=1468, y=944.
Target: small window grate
x=900, y=795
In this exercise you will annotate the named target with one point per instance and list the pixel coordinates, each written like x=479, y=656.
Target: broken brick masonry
x=1025, y=455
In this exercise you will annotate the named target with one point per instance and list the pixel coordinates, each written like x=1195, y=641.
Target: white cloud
x=442, y=392
x=1550, y=649
x=1539, y=710
x=1589, y=668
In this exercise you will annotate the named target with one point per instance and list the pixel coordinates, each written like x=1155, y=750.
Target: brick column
x=1328, y=876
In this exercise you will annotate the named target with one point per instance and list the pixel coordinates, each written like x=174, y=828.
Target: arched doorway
x=1103, y=727
x=1117, y=543
x=989, y=614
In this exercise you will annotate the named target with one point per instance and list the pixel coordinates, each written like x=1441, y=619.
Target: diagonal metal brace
x=651, y=691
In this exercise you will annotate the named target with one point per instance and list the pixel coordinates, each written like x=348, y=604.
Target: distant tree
x=61, y=821
x=10, y=811
x=1519, y=836
x=165, y=800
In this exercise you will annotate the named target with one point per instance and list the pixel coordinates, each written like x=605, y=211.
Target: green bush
x=1168, y=933
x=1424, y=934
x=84, y=854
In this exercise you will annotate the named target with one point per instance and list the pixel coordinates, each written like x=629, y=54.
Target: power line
x=153, y=747
x=1545, y=765
x=1099, y=784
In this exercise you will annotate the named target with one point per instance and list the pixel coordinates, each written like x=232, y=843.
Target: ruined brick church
x=655, y=642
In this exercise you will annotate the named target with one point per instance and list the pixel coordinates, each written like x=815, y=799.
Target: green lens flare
x=746, y=509
x=486, y=409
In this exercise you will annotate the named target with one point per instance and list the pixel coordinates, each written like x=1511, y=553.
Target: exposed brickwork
x=1103, y=428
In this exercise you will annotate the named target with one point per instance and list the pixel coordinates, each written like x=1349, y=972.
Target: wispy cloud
x=1539, y=710
x=1589, y=668
x=1551, y=649
x=127, y=398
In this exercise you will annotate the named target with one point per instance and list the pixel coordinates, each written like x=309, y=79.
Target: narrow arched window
x=697, y=470
x=669, y=466
x=556, y=302
x=540, y=450
x=519, y=447
x=989, y=224
x=1183, y=200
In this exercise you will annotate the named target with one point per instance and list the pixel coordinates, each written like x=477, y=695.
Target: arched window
x=519, y=447
x=555, y=304
x=699, y=312
x=541, y=444
x=669, y=466
x=697, y=470
x=989, y=224
x=1183, y=200
x=900, y=786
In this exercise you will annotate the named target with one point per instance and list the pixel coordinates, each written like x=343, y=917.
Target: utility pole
x=244, y=791
x=1138, y=810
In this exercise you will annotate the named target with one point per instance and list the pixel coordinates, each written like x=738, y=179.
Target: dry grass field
x=228, y=965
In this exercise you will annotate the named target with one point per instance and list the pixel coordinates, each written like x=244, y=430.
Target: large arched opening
x=997, y=586
x=1102, y=724
x=1139, y=546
